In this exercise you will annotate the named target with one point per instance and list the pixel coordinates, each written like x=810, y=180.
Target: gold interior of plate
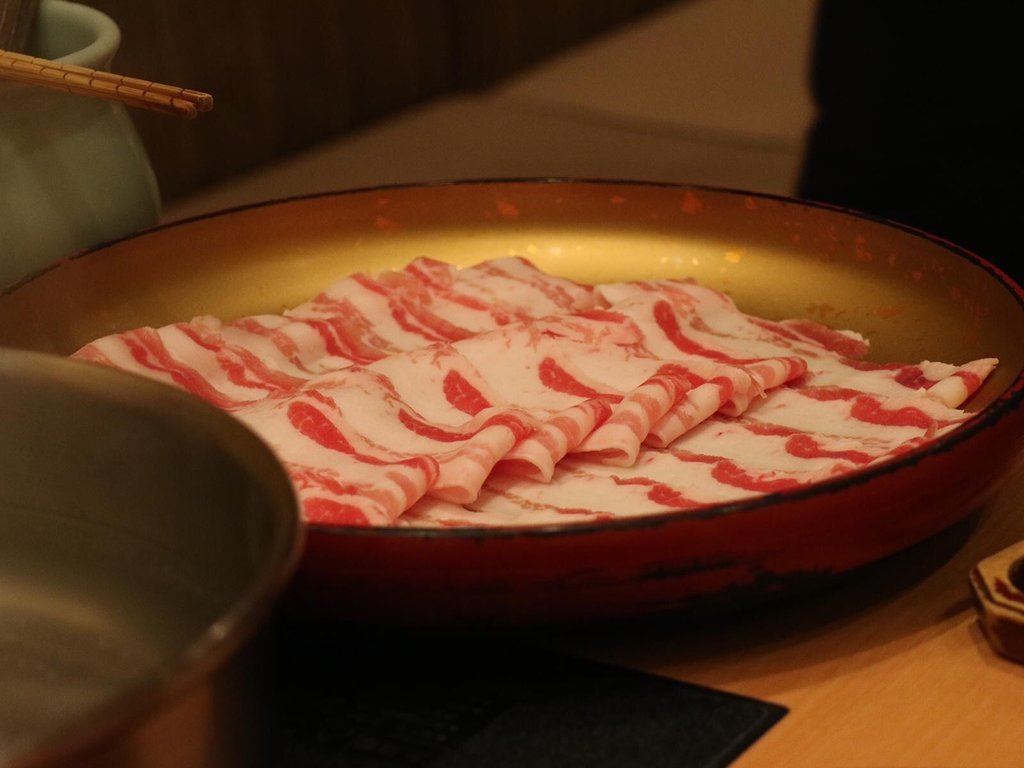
x=915, y=299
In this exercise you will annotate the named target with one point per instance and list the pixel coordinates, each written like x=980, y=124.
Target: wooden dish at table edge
x=913, y=295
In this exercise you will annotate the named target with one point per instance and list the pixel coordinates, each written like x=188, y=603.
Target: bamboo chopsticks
x=83, y=81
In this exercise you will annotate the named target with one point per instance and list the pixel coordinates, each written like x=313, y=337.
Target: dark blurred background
x=287, y=75
x=904, y=110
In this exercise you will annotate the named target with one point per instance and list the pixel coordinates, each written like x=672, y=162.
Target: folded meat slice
x=352, y=423
x=792, y=437
x=762, y=445
x=429, y=301
x=717, y=381
x=811, y=409
x=192, y=357
x=327, y=494
x=694, y=319
x=513, y=395
x=843, y=412
x=357, y=320
x=950, y=385
x=448, y=385
x=722, y=460
x=583, y=491
x=686, y=329
x=566, y=360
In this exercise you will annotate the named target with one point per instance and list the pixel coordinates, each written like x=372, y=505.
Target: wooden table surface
x=887, y=668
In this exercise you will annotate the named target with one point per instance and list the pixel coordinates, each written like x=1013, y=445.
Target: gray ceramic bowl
x=145, y=537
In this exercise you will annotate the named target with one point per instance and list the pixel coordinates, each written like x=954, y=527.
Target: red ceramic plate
x=915, y=297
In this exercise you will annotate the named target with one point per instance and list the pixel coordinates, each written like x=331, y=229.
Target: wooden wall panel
x=289, y=73
x=496, y=38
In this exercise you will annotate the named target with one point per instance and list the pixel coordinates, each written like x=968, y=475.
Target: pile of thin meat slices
x=498, y=395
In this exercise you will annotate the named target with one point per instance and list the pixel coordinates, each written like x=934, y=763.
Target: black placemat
x=401, y=701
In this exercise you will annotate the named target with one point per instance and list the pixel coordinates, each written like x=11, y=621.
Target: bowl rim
x=105, y=32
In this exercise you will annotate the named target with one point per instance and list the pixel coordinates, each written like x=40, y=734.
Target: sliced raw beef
x=356, y=321
x=498, y=395
x=523, y=396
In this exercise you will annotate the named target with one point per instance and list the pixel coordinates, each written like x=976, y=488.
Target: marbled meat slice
x=792, y=437
x=442, y=417
x=357, y=320
x=722, y=460
x=584, y=491
x=843, y=414
x=500, y=395
x=694, y=319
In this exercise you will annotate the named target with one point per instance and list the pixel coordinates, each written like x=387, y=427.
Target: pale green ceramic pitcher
x=73, y=172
